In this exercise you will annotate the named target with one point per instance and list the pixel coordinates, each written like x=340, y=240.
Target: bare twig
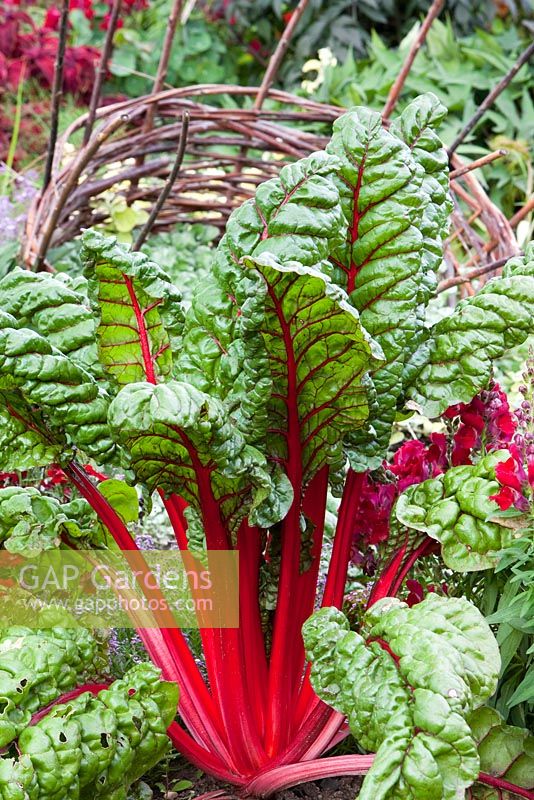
x=102, y=70
x=522, y=213
x=57, y=92
x=165, y=192
x=492, y=96
x=159, y=80
x=448, y=283
x=83, y=158
x=279, y=53
x=480, y=162
x=163, y=65
x=393, y=96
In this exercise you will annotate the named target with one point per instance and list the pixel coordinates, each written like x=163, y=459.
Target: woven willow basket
x=229, y=151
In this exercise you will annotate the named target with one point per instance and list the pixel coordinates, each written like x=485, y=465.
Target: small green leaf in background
x=122, y=498
x=505, y=751
x=181, y=786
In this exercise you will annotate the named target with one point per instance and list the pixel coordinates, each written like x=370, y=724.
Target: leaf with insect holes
x=32, y=521
x=36, y=666
x=406, y=683
x=94, y=746
x=139, y=310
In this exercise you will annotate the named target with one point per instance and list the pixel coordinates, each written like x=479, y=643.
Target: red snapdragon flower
x=83, y=5
x=489, y=415
x=52, y=18
x=486, y=420
x=95, y=473
x=136, y=5
x=412, y=463
x=54, y=476
x=417, y=591
x=104, y=25
x=515, y=480
x=415, y=462
x=9, y=479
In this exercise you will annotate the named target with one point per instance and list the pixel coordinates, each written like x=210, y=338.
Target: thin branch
x=492, y=96
x=279, y=53
x=57, y=92
x=474, y=273
x=522, y=213
x=163, y=65
x=393, y=96
x=82, y=159
x=480, y=162
x=159, y=80
x=165, y=192
x=102, y=70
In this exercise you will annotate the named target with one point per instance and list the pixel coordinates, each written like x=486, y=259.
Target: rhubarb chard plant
x=246, y=410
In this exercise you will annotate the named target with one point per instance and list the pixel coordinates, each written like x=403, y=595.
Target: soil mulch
x=345, y=788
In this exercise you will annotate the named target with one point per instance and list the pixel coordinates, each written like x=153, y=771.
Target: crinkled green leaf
x=295, y=217
x=455, y=361
x=417, y=127
x=53, y=307
x=21, y=446
x=505, y=752
x=380, y=261
x=32, y=522
x=140, y=314
x=180, y=440
x=319, y=355
x=36, y=666
x=456, y=510
x=122, y=498
x=96, y=746
x=407, y=682
x=225, y=355
x=52, y=394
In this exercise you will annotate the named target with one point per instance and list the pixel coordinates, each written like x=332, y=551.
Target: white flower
x=326, y=59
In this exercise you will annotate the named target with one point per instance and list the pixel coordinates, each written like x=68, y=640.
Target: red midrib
x=93, y=688
x=284, y=666
x=148, y=361
x=354, y=268
x=294, y=461
x=289, y=194
x=385, y=646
